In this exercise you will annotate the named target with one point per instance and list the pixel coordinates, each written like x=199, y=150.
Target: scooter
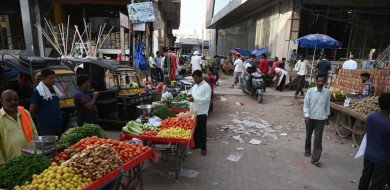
x=255, y=87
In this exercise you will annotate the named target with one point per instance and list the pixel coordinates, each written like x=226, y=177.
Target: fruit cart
x=179, y=145
x=349, y=122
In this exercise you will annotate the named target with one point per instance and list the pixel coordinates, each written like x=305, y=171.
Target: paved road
x=277, y=163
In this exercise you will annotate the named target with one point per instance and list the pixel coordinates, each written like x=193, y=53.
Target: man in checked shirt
x=369, y=89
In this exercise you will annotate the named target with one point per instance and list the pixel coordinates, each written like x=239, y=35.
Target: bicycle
x=293, y=85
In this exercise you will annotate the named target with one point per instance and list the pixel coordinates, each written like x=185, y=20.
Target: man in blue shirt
x=316, y=110
x=323, y=66
x=376, y=168
x=293, y=58
x=85, y=106
x=45, y=103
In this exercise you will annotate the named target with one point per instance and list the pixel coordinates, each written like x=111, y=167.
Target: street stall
x=90, y=163
x=177, y=132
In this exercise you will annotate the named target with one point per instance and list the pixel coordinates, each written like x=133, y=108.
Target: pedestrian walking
x=376, y=166
x=196, y=61
x=85, y=106
x=316, y=110
x=199, y=96
x=45, y=103
x=211, y=81
x=159, y=72
x=323, y=66
x=237, y=70
x=301, y=69
x=153, y=66
x=17, y=128
x=215, y=66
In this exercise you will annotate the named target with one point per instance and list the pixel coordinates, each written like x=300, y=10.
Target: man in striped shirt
x=369, y=89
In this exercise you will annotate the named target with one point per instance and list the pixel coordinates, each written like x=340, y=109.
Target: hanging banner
x=141, y=12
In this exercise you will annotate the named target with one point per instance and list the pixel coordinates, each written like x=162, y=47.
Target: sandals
x=316, y=163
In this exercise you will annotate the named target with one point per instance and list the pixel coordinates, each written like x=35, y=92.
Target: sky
x=191, y=11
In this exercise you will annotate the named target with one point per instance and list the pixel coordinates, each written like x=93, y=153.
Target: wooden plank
x=349, y=112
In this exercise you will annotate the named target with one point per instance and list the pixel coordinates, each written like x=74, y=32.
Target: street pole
x=202, y=38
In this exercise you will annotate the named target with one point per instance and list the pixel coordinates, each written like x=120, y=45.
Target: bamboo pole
x=106, y=37
x=48, y=38
x=67, y=36
x=82, y=42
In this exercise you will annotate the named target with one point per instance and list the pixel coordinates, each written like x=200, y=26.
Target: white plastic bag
x=362, y=148
x=234, y=156
x=155, y=121
x=166, y=95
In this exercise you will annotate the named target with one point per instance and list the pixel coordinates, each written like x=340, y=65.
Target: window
x=66, y=84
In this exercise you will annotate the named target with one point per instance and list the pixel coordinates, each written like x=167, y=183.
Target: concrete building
x=359, y=25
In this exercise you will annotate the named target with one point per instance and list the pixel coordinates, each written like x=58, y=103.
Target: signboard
x=141, y=12
x=124, y=20
x=139, y=27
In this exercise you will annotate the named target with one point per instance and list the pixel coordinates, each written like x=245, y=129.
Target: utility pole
x=202, y=37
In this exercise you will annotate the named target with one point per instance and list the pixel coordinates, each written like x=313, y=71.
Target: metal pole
x=312, y=63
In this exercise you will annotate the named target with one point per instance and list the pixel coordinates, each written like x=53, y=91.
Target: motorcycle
x=253, y=85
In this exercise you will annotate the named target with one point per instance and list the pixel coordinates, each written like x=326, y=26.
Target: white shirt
x=301, y=67
x=316, y=104
x=201, y=94
x=195, y=61
x=152, y=63
x=282, y=73
x=238, y=64
x=350, y=64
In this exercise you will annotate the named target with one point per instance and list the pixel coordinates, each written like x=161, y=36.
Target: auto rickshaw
x=23, y=74
x=120, y=89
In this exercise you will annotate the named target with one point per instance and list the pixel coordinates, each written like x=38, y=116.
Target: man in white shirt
x=301, y=69
x=153, y=66
x=237, y=70
x=350, y=64
x=195, y=61
x=199, y=96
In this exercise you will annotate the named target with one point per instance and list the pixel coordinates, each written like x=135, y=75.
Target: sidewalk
x=226, y=81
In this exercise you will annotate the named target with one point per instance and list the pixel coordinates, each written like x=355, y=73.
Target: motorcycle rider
x=250, y=67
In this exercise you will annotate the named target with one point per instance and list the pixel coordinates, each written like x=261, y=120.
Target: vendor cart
x=349, y=122
x=179, y=146
x=128, y=176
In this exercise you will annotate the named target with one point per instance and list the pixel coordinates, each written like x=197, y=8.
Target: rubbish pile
x=248, y=127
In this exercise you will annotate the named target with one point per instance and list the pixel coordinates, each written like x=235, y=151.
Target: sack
x=362, y=148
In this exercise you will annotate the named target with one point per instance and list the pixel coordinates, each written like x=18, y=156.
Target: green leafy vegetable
x=74, y=135
x=18, y=170
x=163, y=113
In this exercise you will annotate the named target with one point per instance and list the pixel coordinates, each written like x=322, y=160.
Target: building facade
x=359, y=25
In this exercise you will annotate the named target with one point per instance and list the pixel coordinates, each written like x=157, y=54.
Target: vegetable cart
x=180, y=145
x=128, y=175
x=349, y=122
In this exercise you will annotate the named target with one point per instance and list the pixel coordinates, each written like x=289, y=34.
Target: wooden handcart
x=349, y=122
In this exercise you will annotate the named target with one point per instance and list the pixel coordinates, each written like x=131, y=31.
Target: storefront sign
x=139, y=27
x=141, y=12
x=124, y=20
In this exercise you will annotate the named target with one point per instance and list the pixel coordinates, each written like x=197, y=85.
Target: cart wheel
x=343, y=123
x=359, y=129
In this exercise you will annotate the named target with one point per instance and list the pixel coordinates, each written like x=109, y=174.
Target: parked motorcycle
x=253, y=85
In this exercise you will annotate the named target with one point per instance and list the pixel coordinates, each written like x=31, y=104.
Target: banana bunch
x=336, y=92
x=175, y=133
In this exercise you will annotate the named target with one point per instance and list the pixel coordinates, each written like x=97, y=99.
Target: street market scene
x=185, y=94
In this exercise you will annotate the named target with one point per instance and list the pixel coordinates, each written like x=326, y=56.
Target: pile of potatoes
x=365, y=106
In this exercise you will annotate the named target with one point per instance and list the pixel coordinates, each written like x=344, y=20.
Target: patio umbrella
x=260, y=51
x=243, y=51
x=317, y=41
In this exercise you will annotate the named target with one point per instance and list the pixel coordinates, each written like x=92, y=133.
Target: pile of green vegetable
x=18, y=170
x=74, y=135
x=180, y=97
x=163, y=113
x=135, y=128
